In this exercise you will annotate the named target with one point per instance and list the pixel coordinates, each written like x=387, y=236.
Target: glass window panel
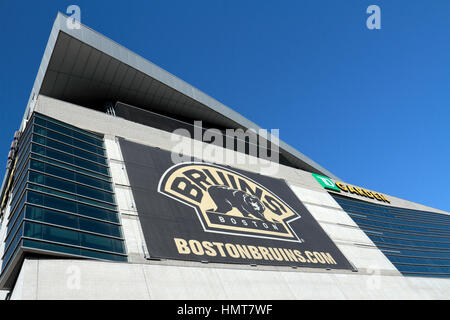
x=58, y=146
x=78, y=172
x=387, y=219
x=97, y=213
x=50, y=247
x=416, y=260
x=91, y=176
x=407, y=212
x=52, y=191
x=416, y=242
x=59, y=155
x=70, y=159
x=101, y=243
x=71, y=196
x=60, y=137
x=103, y=255
x=66, y=138
x=58, y=128
x=70, y=175
x=22, y=159
x=18, y=191
x=411, y=252
x=118, y=246
x=89, y=147
x=423, y=269
x=89, y=156
x=52, y=217
x=36, y=177
x=12, y=228
x=70, y=206
x=20, y=171
x=93, y=182
x=62, y=124
x=17, y=209
x=40, y=130
x=94, y=193
x=99, y=227
x=39, y=139
x=36, y=165
x=40, y=121
x=58, y=203
x=59, y=172
x=23, y=145
x=87, y=139
x=34, y=213
x=90, y=166
x=60, y=235
x=71, y=221
x=60, y=184
x=12, y=247
x=400, y=225
x=35, y=198
x=33, y=230
x=69, y=149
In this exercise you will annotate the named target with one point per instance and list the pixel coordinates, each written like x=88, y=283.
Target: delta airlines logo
x=228, y=202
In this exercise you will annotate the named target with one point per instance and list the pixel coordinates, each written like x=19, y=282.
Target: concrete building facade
x=396, y=249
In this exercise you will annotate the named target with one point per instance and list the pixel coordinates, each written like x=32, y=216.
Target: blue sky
x=371, y=106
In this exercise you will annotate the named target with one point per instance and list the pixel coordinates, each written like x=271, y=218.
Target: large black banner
x=206, y=212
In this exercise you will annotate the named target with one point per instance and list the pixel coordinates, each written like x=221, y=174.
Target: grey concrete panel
x=80, y=279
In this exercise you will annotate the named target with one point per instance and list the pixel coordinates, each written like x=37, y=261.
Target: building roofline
x=109, y=47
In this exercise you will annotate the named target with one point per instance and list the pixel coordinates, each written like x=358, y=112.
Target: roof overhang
x=84, y=67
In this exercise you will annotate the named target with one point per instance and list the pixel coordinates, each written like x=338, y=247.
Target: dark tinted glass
x=70, y=159
x=62, y=195
x=416, y=242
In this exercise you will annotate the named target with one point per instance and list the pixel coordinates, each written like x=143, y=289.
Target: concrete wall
x=80, y=279
x=375, y=278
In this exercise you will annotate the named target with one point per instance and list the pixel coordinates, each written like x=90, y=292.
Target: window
x=62, y=199
x=416, y=242
x=70, y=159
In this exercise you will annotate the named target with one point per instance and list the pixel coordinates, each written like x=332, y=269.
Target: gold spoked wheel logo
x=228, y=202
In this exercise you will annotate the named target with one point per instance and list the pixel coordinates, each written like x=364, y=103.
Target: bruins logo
x=229, y=202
